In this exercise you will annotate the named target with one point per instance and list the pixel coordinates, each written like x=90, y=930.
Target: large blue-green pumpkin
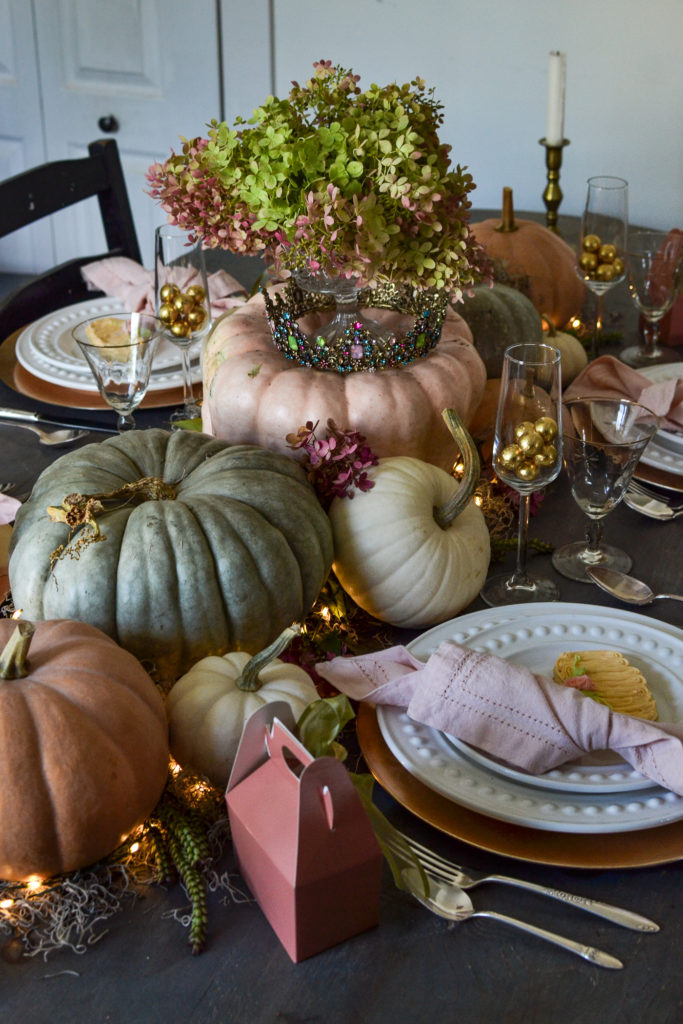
x=236, y=550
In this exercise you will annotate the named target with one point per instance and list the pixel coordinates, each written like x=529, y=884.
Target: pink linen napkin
x=530, y=722
x=607, y=377
x=8, y=509
x=126, y=280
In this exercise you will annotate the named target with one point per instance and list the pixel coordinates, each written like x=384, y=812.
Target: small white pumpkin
x=414, y=550
x=208, y=706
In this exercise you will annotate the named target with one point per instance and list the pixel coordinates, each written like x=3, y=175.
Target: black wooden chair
x=51, y=187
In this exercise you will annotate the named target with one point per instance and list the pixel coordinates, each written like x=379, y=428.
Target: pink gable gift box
x=304, y=844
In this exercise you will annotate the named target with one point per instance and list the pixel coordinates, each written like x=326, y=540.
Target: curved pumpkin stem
x=445, y=515
x=249, y=679
x=507, y=223
x=550, y=325
x=13, y=663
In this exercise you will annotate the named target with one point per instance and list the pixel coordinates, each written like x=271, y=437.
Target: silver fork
x=646, y=492
x=449, y=901
x=450, y=872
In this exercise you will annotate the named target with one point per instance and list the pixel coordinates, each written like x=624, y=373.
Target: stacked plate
x=665, y=451
x=598, y=794
x=46, y=349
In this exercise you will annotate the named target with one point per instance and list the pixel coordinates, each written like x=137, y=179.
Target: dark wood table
x=414, y=967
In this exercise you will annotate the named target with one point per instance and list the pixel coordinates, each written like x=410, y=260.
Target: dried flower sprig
x=331, y=178
x=337, y=464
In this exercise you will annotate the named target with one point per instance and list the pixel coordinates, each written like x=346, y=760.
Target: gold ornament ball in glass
x=602, y=244
x=527, y=454
x=183, y=305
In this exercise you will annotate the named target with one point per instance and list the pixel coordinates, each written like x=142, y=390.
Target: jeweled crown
x=357, y=350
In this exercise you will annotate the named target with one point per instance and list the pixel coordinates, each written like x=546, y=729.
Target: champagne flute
x=603, y=440
x=600, y=260
x=527, y=454
x=182, y=303
x=653, y=263
x=119, y=350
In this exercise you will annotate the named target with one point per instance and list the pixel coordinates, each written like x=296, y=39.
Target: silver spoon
x=449, y=901
x=49, y=437
x=627, y=588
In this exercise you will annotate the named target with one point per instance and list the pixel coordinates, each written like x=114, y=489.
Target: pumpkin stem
x=81, y=510
x=550, y=325
x=507, y=223
x=13, y=663
x=445, y=515
x=249, y=679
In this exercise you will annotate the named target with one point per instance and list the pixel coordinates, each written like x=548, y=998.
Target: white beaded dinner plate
x=47, y=350
x=659, y=456
x=591, y=795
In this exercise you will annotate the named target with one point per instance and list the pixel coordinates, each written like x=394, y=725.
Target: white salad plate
x=47, y=350
x=596, y=794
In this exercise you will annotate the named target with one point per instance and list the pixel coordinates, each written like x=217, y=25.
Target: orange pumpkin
x=83, y=747
x=535, y=260
x=253, y=394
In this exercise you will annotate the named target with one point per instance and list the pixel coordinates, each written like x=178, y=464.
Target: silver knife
x=53, y=421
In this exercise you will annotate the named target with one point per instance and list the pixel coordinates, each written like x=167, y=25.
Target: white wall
x=488, y=61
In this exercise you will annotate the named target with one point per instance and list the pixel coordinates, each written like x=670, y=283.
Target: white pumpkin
x=208, y=706
x=414, y=550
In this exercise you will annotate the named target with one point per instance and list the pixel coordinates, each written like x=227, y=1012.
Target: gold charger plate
x=660, y=477
x=17, y=377
x=645, y=848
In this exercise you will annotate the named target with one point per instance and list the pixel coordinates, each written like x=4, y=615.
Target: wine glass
x=600, y=260
x=603, y=440
x=119, y=350
x=653, y=265
x=527, y=454
x=182, y=303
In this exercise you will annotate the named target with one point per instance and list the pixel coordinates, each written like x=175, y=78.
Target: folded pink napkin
x=530, y=722
x=8, y=509
x=607, y=377
x=126, y=280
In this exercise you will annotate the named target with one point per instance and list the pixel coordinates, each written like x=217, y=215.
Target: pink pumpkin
x=535, y=260
x=253, y=394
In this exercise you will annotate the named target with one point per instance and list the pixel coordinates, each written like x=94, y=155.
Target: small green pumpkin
x=204, y=547
x=499, y=316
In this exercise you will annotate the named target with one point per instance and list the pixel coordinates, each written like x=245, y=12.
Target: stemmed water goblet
x=527, y=454
x=119, y=350
x=653, y=264
x=600, y=260
x=182, y=303
x=603, y=441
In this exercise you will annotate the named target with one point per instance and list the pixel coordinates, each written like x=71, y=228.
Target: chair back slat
x=47, y=189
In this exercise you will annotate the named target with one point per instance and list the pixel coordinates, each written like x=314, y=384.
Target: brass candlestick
x=552, y=197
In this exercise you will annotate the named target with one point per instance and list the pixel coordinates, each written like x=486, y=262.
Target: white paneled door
x=21, y=132
x=144, y=72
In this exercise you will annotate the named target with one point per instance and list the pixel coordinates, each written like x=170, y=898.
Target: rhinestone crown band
x=357, y=350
